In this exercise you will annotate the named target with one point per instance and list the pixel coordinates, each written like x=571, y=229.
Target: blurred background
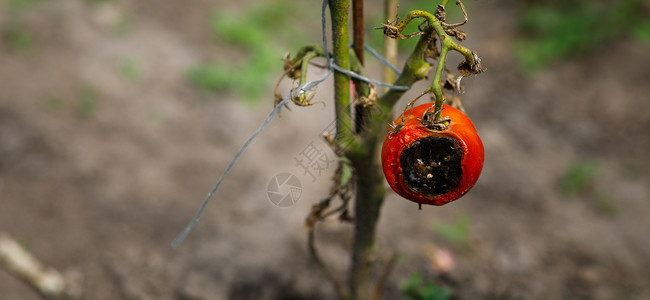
x=117, y=117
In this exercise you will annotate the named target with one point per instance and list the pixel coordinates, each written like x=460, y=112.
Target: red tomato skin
x=460, y=128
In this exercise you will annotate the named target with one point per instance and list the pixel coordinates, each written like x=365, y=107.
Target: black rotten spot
x=431, y=166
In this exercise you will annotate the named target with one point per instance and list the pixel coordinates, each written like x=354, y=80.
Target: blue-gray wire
x=276, y=110
x=306, y=87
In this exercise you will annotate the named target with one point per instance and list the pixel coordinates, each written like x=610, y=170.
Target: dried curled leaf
x=369, y=101
x=460, y=35
x=432, y=49
x=441, y=14
x=292, y=67
x=470, y=68
x=391, y=31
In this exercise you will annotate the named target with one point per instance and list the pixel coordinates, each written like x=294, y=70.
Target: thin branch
x=49, y=282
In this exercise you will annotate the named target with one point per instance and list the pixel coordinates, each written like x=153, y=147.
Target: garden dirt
x=101, y=167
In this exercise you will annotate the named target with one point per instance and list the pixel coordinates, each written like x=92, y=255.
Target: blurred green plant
x=123, y=26
x=416, y=289
x=18, y=6
x=99, y=1
x=552, y=30
x=642, y=32
x=579, y=178
x=261, y=32
x=633, y=169
x=606, y=205
x=13, y=30
x=456, y=233
x=18, y=37
x=53, y=104
x=88, y=102
x=128, y=69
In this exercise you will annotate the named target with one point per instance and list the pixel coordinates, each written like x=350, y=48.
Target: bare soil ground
x=99, y=173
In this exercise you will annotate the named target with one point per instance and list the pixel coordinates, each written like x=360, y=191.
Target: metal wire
x=304, y=88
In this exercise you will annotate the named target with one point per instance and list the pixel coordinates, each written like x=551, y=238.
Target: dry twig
x=49, y=282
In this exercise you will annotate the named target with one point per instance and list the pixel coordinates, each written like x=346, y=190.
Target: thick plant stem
x=367, y=205
x=340, y=13
x=364, y=225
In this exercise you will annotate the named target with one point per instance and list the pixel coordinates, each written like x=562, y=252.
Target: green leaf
x=416, y=289
x=553, y=30
x=578, y=178
x=18, y=37
x=261, y=33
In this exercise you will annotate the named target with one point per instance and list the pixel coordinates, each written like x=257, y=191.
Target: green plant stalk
x=305, y=65
x=364, y=230
x=368, y=201
x=340, y=11
x=435, y=85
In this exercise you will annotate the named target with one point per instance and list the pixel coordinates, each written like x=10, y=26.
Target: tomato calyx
x=429, y=120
